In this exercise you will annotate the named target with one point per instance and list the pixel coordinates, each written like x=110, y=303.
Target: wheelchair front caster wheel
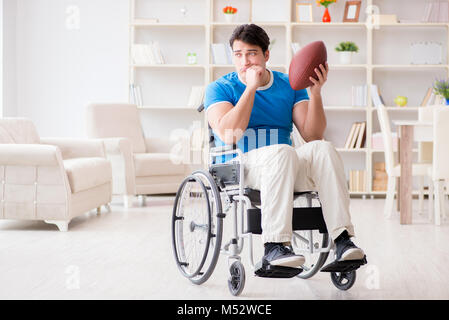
x=343, y=280
x=236, y=281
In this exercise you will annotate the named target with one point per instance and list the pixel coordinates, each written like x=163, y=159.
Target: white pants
x=278, y=170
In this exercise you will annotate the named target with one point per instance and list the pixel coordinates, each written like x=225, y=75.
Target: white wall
x=8, y=62
x=65, y=62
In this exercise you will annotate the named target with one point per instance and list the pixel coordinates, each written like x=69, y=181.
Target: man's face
x=246, y=55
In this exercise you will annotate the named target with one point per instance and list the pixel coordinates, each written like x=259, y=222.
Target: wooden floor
x=126, y=254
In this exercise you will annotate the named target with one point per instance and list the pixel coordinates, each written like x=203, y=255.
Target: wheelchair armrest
x=222, y=150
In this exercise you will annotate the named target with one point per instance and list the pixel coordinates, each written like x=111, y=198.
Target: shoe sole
x=352, y=254
x=293, y=262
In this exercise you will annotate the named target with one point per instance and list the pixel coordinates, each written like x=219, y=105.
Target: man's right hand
x=255, y=77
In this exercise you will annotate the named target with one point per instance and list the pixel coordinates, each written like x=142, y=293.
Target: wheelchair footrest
x=266, y=270
x=344, y=266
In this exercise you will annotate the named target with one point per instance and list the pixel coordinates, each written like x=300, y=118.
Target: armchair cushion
x=116, y=120
x=18, y=130
x=86, y=173
x=158, y=164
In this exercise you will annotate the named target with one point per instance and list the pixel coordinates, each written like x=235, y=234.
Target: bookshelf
x=194, y=25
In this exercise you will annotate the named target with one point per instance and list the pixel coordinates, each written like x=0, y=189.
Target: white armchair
x=140, y=165
x=440, y=168
x=53, y=180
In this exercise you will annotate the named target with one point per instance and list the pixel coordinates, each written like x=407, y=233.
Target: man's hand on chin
x=254, y=77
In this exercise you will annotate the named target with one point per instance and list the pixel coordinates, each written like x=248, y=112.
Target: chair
x=393, y=169
x=50, y=179
x=140, y=165
x=440, y=169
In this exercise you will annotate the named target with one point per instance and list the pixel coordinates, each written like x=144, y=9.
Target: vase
x=229, y=17
x=326, y=16
x=345, y=57
x=447, y=101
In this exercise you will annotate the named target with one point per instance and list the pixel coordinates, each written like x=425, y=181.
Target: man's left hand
x=322, y=77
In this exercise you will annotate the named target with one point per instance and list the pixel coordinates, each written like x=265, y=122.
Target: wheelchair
x=206, y=197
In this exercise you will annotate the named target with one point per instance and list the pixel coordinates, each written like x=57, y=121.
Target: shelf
x=327, y=25
x=231, y=66
x=359, y=150
x=166, y=108
x=416, y=24
x=402, y=108
x=143, y=24
x=409, y=66
x=344, y=108
x=348, y=66
x=188, y=66
x=382, y=151
x=263, y=24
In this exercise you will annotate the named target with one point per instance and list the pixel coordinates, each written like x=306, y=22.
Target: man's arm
x=309, y=119
x=230, y=122
x=309, y=116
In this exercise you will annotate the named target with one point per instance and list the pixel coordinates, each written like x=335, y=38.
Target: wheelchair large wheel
x=310, y=244
x=197, y=226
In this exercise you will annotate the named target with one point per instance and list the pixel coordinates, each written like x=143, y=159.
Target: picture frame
x=352, y=11
x=304, y=12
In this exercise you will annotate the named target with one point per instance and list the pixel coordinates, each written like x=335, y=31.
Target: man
x=255, y=108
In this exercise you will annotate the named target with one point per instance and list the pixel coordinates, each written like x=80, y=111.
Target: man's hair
x=251, y=34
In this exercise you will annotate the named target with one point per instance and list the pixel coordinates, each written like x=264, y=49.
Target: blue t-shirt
x=271, y=117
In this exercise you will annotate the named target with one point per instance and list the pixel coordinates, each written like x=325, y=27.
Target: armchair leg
x=99, y=210
x=431, y=202
x=389, y=201
x=127, y=201
x=438, y=201
x=144, y=200
x=63, y=226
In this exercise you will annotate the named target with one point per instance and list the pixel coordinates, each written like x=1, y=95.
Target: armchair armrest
x=77, y=148
x=30, y=155
x=120, y=152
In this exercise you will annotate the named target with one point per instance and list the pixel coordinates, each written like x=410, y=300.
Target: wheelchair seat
x=254, y=195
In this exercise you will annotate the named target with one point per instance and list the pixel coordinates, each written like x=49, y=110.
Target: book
x=136, y=95
x=359, y=96
x=196, y=97
x=350, y=135
x=157, y=53
x=426, y=97
x=362, y=135
x=426, y=12
x=435, y=8
x=354, y=136
x=375, y=95
x=219, y=54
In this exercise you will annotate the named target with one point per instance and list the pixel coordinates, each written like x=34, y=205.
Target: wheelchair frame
x=343, y=273
x=218, y=177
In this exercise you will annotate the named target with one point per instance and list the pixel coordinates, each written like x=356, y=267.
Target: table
x=409, y=131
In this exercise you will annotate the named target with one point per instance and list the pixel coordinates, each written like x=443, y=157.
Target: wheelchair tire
x=343, y=280
x=197, y=231
x=236, y=281
x=310, y=271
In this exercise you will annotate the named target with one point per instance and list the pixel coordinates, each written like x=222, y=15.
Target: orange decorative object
x=326, y=16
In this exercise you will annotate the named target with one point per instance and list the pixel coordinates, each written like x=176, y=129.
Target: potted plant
x=229, y=13
x=346, y=50
x=441, y=87
x=325, y=3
